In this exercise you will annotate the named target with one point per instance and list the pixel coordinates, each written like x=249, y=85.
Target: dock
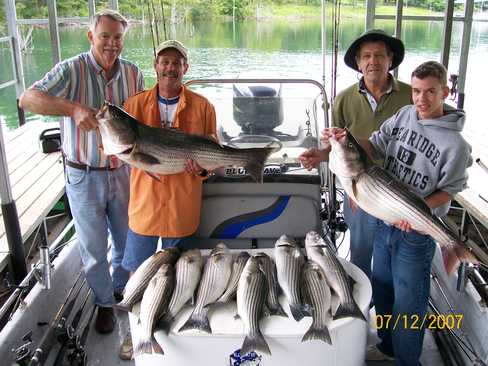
x=36, y=179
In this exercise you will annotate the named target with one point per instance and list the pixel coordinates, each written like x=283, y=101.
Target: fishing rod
x=459, y=339
x=452, y=339
x=164, y=20
x=335, y=49
x=67, y=335
x=77, y=357
x=48, y=339
x=150, y=15
x=155, y=21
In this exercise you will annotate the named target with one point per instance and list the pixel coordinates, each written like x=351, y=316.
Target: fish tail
x=315, y=332
x=156, y=346
x=277, y=310
x=349, y=309
x=255, y=342
x=147, y=346
x=122, y=306
x=197, y=321
x=297, y=312
x=255, y=164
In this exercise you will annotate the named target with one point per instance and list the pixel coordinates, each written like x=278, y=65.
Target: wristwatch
x=203, y=173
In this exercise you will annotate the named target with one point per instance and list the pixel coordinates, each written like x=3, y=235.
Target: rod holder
x=42, y=271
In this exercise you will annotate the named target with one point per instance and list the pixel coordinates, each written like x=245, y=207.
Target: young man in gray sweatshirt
x=422, y=146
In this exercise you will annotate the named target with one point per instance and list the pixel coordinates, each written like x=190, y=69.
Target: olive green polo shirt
x=353, y=111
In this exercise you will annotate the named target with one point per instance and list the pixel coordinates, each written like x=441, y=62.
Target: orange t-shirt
x=169, y=208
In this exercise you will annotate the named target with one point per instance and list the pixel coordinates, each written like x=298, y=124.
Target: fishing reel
x=64, y=332
x=23, y=353
x=77, y=357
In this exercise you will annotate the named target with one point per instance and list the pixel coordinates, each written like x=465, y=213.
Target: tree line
x=188, y=9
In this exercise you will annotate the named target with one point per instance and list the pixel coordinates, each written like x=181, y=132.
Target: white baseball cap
x=173, y=43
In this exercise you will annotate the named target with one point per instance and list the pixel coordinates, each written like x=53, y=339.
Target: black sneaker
x=105, y=320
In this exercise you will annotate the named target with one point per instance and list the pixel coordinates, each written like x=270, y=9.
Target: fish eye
x=350, y=145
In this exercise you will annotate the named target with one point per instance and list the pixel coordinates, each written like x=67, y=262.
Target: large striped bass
x=337, y=278
x=216, y=275
x=378, y=193
x=316, y=293
x=166, y=150
x=188, y=270
x=134, y=289
x=251, y=297
x=289, y=261
x=154, y=303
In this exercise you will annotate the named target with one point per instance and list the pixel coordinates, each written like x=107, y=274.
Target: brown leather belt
x=85, y=167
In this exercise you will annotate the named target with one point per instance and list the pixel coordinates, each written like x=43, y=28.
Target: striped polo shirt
x=80, y=79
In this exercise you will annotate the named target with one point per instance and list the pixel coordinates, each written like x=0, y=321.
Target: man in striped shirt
x=97, y=185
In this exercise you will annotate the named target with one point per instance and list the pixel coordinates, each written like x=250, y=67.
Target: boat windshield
x=287, y=116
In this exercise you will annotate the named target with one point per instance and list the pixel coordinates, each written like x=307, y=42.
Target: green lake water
x=271, y=48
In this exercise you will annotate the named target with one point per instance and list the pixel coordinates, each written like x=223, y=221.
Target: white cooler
x=283, y=335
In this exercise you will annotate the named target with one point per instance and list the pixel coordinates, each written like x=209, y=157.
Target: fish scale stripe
x=182, y=275
x=234, y=280
x=209, y=279
x=252, y=304
x=378, y=191
x=184, y=149
x=291, y=268
x=253, y=295
x=340, y=275
x=271, y=281
x=144, y=276
x=419, y=214
x=153, y=302
x=321, y=296
x=413, y=213
x=315, y=293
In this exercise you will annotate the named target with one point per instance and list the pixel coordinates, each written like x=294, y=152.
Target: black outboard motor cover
x=257, y=109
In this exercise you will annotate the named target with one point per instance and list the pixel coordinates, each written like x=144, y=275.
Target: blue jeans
x=140, y=247
x=362, y=228
x=99, y=202
x=401, y=284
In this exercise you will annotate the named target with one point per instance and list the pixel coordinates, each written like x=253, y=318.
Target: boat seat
x=250, y=215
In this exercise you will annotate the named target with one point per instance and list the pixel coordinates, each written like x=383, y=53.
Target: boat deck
x=36, y=179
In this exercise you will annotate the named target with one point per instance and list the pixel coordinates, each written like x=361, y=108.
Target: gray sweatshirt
x=426, y=155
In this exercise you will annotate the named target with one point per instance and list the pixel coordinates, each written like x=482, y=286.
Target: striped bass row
x=166, y=150
x=378, y=193
x=165, y=283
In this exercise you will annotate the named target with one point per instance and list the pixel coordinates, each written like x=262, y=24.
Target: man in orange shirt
x=170, y=208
